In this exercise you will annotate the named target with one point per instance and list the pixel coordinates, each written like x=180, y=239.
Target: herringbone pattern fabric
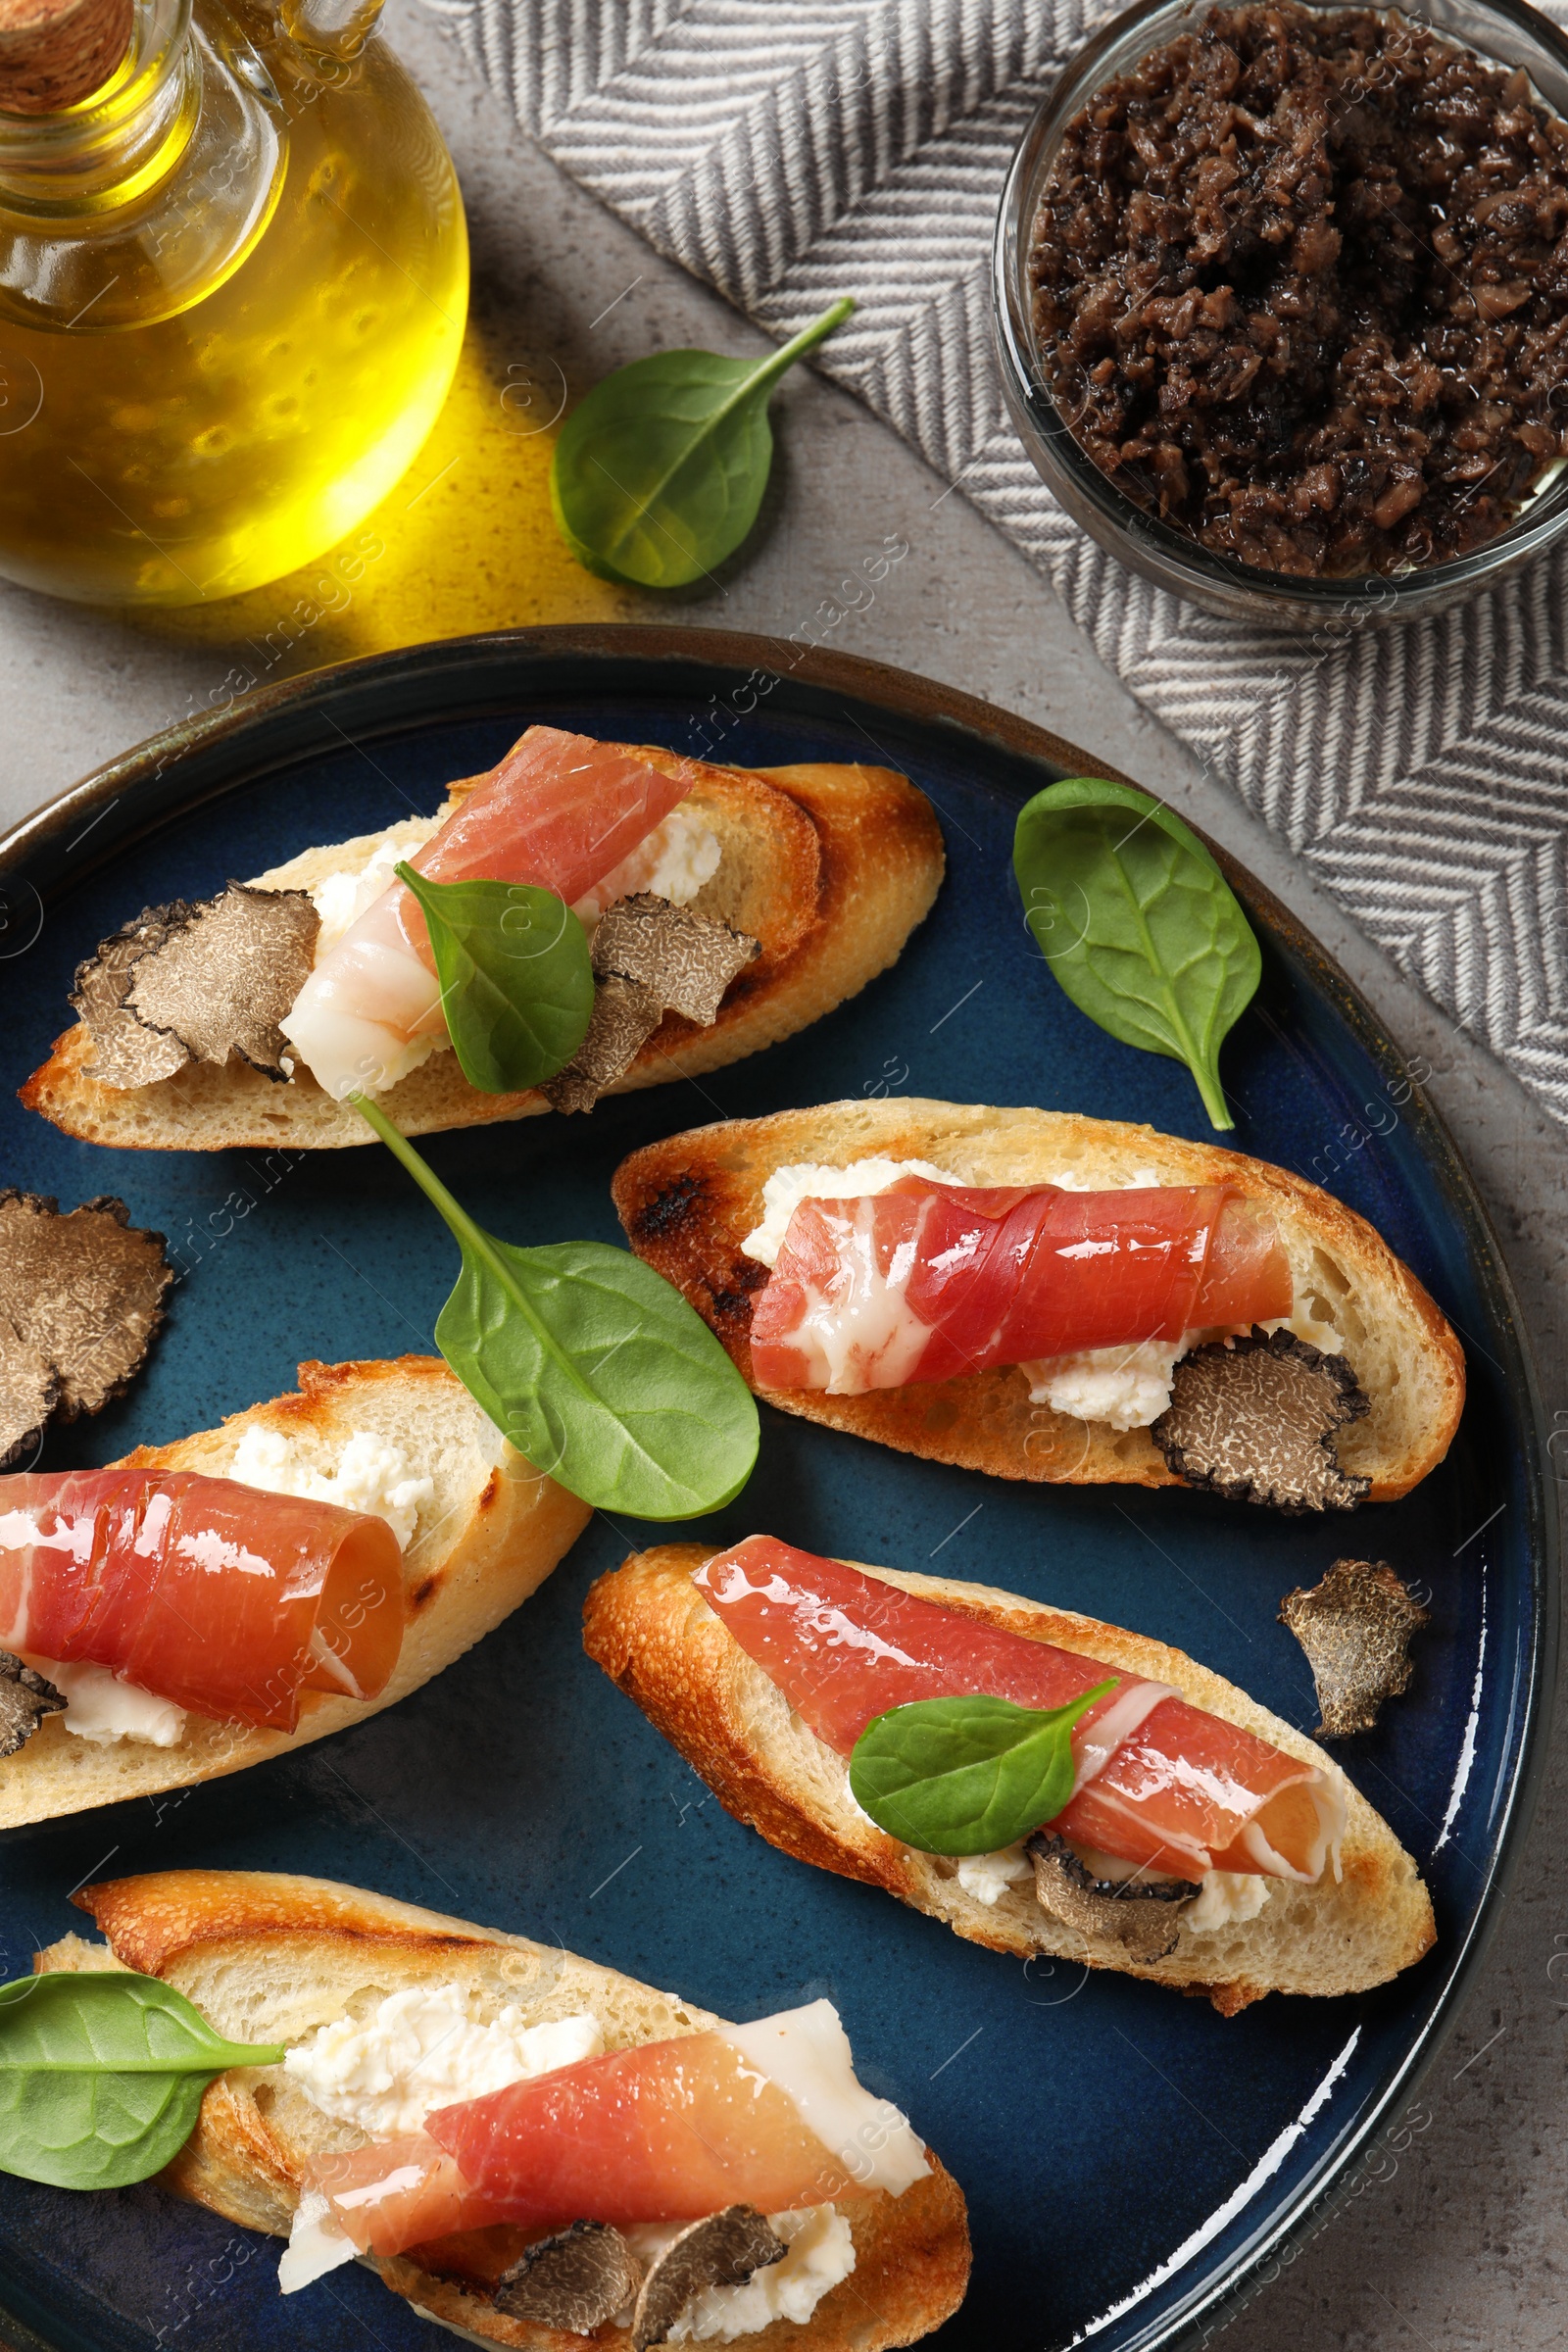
x=790, y=150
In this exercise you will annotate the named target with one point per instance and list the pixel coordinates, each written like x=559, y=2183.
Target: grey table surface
x=1457, y=2233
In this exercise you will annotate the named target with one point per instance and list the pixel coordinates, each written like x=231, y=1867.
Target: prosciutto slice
x=209, y=1593
x=560, y=812
x=926, y=1281
x=667, y=2132
x=1161, y=1786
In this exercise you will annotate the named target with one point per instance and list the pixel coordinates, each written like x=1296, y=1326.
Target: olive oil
x=227, y=318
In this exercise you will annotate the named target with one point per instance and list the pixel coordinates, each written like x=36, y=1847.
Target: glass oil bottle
x=234, y=280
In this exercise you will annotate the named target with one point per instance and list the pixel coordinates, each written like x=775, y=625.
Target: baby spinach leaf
x=966, y=1776
x=101, y=2076
x=658, y=473
x=1138, y=923
x=593, y=1365
x=517, y=983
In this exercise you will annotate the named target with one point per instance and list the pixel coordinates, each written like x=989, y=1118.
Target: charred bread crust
x=201, y=1930
x=651, y=1630
x=688, y=1202
x=497, y=1530
x=830, y=867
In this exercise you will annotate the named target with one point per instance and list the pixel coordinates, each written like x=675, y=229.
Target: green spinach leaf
x=1138, y=923
x=517, y=983
x=592, y=1364
x=658, y=473
x=966, y=1776
x=101, y=2076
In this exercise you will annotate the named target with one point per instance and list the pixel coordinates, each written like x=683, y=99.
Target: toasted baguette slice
x=830, y=867
x=269, y=1958
x=490, y=1536
x=651, y=1630
x=689, y=1202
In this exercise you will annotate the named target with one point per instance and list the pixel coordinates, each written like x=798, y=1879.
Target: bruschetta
x=244, y=1021
x=567, y=2154
x=1206, y=1843
x=259, y=1586
x=1054, y=1297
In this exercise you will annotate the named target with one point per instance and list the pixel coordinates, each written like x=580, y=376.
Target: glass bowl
x=1505, y=32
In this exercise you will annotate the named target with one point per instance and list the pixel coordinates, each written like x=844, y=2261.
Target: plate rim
x=204, y=756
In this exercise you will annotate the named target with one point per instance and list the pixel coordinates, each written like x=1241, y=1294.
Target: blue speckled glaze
x=1125, y=2152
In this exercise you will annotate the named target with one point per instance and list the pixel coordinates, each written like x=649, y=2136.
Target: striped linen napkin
x=790, y=150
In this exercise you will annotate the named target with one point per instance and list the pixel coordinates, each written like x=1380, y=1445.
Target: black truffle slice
x=1356, y=1627
x=1142, y=1915
x=26, y=1698
x=624, y=1017
x=128, y=1053
x=1254, y=1419
x=29, y=1391
x=721, y=2252
x=222, y=981
x=198, y=983
x=650, y=958
x=575, y=2281
x=687, y=960
x=81, y=1297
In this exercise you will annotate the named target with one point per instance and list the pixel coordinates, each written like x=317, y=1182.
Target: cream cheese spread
x=423, y=2048
x=1126, y=1387
x=1227, y=1898
x=673, y=862
x=988, y=1877
x=342, y=896
x=314, y=2247
x=100, y=1707
x=370, y=1475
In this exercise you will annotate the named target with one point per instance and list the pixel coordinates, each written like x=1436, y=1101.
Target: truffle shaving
x=1356, y=1627
x=199, y=982
x=624, y=1018
x=1254, y=1419
x=26, y=1698
x=126, y=1052
x=81, y=1297
x=687, y=960
x=1142, y=1915
x=650, y=958
x=29, y=1391
x=721, y=2252
x=575, y=2281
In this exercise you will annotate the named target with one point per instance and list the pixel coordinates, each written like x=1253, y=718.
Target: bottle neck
x=113, y=146
x=141, y=202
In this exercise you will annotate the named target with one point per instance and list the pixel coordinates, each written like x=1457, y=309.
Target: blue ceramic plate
x=1131, y=2159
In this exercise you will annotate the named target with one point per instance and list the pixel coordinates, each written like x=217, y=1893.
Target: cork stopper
x=54, y=52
